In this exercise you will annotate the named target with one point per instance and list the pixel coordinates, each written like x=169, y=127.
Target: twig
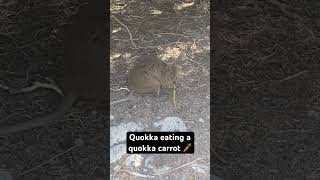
x=161, y=173
x=46, y=162
x=174, y=169
x=264, y=58
x=293, y=76
x=197, y=63
x=282, y=8
x=126, y=27
x=218, y=156
x=123, y=99
x=120, y=100
x=37, y=85
x=117, y=170
x=4, y=87
x=172, y=34
x=138, y=174
x=122, y=88
x=164, y=45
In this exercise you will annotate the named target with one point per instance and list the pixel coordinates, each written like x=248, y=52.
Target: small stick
x=161, y=173
x=293, y=76
x=126, y=27
x=122, y=88
x=119, y=101
x=282, y=7
x=174, y=169
x=138, y=174
x=122, y=100
x=46, y=162
x=37, y=85
x=4, y=87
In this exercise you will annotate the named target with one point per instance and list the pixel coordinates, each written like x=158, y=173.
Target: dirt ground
x=178, y=33
x=265, y=87
x=31, y=52
x=266, y=90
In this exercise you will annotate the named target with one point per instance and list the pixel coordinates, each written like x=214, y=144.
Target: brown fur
x=150, y=75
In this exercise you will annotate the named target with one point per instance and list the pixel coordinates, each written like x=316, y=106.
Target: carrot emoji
x=187, y=147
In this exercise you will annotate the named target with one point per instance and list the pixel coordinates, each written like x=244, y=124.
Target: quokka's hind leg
x=157, y=88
